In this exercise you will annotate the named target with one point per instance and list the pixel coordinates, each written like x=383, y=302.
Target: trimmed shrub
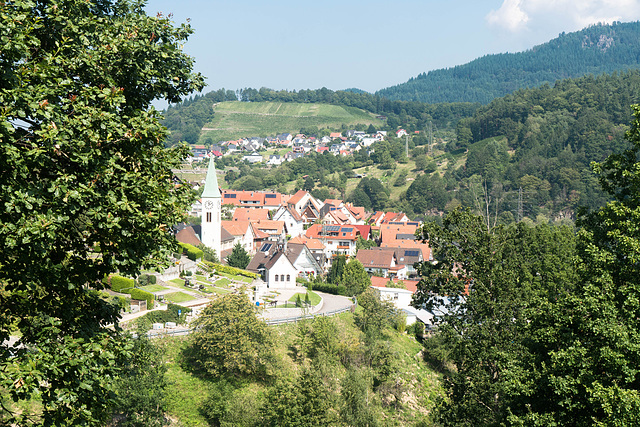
x=120, y=284
x=191, y=251
x=141, y=295
x=234, y=271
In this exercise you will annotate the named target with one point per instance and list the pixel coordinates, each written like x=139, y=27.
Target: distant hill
x=232, y=120
x=595, y=50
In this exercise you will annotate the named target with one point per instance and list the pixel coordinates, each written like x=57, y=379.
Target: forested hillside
x=594, y=50
x=536, y=145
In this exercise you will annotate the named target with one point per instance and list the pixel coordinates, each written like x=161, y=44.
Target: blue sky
x=285, y=44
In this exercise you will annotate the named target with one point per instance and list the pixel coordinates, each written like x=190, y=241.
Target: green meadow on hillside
x=233, y=120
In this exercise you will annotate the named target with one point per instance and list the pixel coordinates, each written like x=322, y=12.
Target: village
x=337, y=143
x=296, y=238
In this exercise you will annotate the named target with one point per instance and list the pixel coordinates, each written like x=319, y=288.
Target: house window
x=208, y=216
x=288, y=277
x=276, y=277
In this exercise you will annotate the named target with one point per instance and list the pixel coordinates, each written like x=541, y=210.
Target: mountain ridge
x=594, y=50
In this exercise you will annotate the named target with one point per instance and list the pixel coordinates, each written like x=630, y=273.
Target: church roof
x=211, y=189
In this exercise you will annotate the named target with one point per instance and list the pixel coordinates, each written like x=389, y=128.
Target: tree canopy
x=86, y=186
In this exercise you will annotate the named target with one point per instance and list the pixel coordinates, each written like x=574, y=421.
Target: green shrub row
x=328, y=288
x=191, y=251
x=234, y=271
x=121, y=284
x=141, y=294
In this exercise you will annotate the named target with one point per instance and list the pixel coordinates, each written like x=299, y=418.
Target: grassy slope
x=188, y=391
x=244, y=119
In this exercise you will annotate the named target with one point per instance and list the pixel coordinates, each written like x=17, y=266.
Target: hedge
x=140, y=294
x=328, y=288
x=234, y=271
x=191, y=251
x=119, y=283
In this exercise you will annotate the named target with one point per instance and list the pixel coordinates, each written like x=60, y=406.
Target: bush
x=191, y=251
x=146, y=322
x=120, y=284
x=142, y=295
x=146, y=279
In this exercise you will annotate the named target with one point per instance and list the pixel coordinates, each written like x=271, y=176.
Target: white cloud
x=509, y=16
x=537, y=15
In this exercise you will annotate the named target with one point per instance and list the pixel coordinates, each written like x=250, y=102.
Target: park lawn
x=201, y=278
x=176, y=297
x=313, y=298
x=178, y=282
x=238, y=277
x=154, y=288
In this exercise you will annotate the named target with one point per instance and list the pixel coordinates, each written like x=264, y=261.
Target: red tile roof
x=250, y=214
x=381, y=282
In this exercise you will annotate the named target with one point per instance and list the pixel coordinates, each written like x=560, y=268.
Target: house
x=337, y=239
x=275, y=268
x=379, y=261
x=242, y=233
x=293, y=221
x=315, y=246
x=334, y=135
x=254, y=157
x=274, y=230
x=285, y=137
x=250, y=214
x=401, y=298
x=199, y=151
x=356, y=214
x=188, y=234
x=275, y=160
x=301, y=200
x=252, y=199
x=335, y=217
x=401, y=132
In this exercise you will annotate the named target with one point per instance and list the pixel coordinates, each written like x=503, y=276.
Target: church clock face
x=208, y=204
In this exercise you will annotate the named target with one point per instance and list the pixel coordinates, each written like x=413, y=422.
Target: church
x=211, y=224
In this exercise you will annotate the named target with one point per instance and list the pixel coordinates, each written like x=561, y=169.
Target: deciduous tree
x=86, y=188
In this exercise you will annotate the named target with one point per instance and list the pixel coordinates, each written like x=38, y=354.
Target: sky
x=370, y=45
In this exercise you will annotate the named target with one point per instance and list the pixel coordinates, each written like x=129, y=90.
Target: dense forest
x=594, y=50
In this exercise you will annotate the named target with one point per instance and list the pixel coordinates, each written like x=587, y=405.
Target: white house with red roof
x=401, y=299
x=293, y=221
x=401, y=132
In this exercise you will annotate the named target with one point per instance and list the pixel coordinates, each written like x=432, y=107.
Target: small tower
x=211, y=210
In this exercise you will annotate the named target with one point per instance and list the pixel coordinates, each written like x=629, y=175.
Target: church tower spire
x=211, y=210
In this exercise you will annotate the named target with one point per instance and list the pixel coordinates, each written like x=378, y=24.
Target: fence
x=308, y=316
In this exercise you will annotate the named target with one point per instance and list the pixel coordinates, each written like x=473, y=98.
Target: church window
x=282, y=277
x=276, y=277
x=208, y=216
x=288, y=277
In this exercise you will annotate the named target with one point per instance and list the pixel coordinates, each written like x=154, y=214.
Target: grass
x=236, y=119
x=177, y=297
x=188, y=392
x=313, y=297
x=178, y=282
x=222, y=282
x=154, y=288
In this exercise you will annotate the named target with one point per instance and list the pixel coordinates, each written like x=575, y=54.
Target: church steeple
x=211, y=220
x=211, y=189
